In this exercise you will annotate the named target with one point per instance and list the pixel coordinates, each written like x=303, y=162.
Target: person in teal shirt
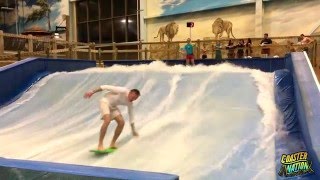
x=189, y=52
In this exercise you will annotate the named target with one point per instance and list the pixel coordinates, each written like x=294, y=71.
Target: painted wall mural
x=170, y=30
x=39, y=14
x=43, y=11
x=281, y=18
x=219, y=26
x=172, y=7
x=237, y=21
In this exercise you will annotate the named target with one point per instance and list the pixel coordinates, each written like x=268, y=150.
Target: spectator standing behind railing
x=290, y=46
x=304, y=40
x=218, y=52
x=265, y=51
x=240, y=47
x=204, y=51
x=189, y=52
x=231, y=47
x=248, y=45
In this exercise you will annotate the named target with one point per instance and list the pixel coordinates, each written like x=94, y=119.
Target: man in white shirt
x=109, y=110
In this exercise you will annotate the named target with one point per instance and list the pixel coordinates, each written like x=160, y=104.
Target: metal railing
x=16, y=47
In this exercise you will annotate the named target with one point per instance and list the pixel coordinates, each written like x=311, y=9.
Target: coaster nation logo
x=295, y=164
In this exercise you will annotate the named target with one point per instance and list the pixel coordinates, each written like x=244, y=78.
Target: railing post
x=93, y=53
x=213, y=49
x=1, y=43
x=19, y=55
x=168, y=50
x=140, y=47
x=198, y=49
x=99, y=57
x=89, y=51
x=30, y=43
x=54, y=45
x=99, y=62
x=70, y=50
x=145, y=54
x=48, y=52
x=74, y=51
x=114, y=56
x=314, y=53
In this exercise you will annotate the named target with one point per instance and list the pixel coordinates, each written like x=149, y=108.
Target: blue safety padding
x=307, y=97
x=288, y=138
x=284, y=97
x=92, y=171
x=68, y=65
x=20, y=89
x=18, y=77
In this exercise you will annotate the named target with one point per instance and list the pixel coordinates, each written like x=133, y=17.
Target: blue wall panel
x=58, y=65
x=15, y=78
x=307, y=98
x=292, y=140
x=88, y=171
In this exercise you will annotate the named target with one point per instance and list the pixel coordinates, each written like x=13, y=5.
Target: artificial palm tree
x=44, y=11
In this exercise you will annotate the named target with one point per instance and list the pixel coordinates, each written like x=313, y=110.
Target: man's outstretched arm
x=90, y=93
x=115, y=89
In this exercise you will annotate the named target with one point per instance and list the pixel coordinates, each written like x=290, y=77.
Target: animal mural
x=219, y=26
x=170, y=30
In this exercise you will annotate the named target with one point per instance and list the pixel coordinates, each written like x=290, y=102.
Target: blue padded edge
x=85, y=170
x=18, y=77
x=307, y=97
x=291, y=141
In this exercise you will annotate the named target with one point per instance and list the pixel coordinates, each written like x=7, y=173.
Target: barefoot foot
x=113, y=146
x=100, y=147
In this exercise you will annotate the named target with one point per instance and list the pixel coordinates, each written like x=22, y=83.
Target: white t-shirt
x=118, y=96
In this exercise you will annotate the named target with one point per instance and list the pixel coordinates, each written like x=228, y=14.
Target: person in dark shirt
x=217, y=49
x=248, y=45
x=240, y=48
x=204, y=51
x=266, y=40
x=231, y=47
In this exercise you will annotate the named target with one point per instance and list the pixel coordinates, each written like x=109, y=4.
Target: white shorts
x=106, y=109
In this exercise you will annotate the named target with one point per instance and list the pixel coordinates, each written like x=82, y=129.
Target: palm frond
x=42, y=3
x=36, y=15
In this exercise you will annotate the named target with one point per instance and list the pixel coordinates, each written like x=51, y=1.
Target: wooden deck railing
x=16, y=47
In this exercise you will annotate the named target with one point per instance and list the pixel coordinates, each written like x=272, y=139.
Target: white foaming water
x=202, y=122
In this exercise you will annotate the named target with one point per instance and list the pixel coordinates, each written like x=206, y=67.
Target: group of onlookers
x=240, y=50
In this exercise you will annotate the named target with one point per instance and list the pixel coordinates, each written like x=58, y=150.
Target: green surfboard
x=105, y=151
